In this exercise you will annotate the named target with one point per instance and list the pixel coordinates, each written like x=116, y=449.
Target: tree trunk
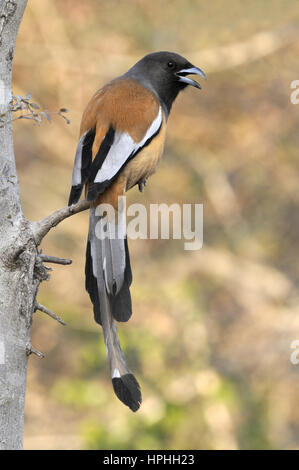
x=17, y=253
x=21, y=266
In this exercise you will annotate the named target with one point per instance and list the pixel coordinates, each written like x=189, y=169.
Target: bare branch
x=42, y=227
x=54, y=259
x=30, y=350
x=32, y=111
x=44, y=309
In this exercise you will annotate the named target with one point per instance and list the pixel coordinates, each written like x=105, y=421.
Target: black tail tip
x=127, y=389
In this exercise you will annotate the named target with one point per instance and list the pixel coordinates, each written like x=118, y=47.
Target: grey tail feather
x=125, y=385
x=108, y=295
x=113, y=266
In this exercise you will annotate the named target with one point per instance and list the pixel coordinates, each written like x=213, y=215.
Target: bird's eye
x=170, y=65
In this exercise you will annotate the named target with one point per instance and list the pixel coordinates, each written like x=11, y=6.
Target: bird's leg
x=142, y=184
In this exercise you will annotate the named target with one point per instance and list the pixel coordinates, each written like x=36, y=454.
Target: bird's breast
x=144, y=164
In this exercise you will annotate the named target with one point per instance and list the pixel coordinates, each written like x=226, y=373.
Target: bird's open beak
x=190, y=71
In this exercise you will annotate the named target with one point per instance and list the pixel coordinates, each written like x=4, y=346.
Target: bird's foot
x=141, y=184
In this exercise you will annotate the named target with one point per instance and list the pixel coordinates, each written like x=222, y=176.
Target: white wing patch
x=124, y=146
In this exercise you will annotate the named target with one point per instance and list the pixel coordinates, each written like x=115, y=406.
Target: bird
x=122, y=136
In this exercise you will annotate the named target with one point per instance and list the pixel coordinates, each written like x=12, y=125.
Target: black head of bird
x=165, y=74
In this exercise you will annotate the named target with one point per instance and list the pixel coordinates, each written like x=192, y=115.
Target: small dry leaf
x=34, y=106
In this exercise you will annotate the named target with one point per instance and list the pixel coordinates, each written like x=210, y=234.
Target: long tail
x=108, y=280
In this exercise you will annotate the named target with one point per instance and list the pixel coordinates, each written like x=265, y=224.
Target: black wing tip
x=95, y=189
x=75, y=194
x=128, y=391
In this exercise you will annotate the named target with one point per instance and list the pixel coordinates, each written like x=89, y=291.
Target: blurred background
x=211, y=332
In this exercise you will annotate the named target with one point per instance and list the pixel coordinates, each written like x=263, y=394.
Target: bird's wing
x=82, y=164
x=118, y=122
x=116, y=149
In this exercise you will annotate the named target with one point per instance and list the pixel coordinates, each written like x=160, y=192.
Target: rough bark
x=14, y=269
x=21, y=266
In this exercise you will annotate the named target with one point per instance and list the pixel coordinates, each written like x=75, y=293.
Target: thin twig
x=30, y=350
x=44, y=309
x=54, y=259
x=32, y=111
x=42, y=227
